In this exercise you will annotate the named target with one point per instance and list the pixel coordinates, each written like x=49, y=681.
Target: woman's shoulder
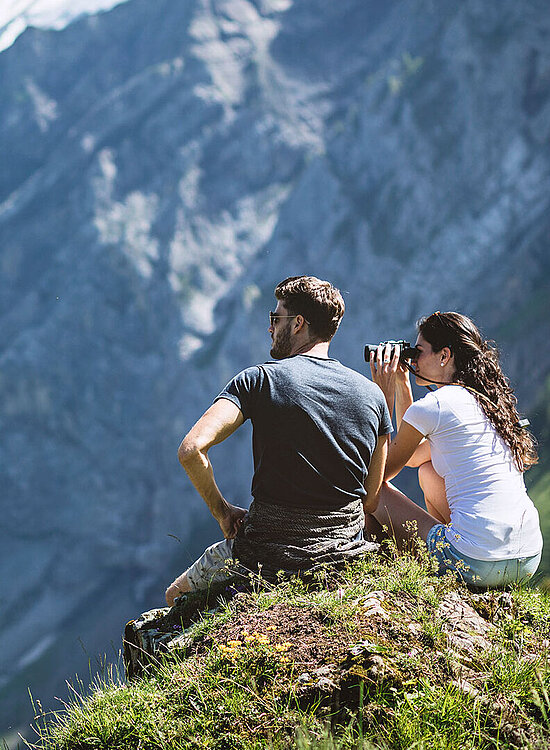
x=458, y=403
x=445, y=398
x=428, y=401
x=423, y=414
x=454, y=393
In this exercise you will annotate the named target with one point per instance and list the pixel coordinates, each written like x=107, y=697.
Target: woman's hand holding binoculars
x=389, y=373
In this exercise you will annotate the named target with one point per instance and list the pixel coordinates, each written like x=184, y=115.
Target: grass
x=538, y=478
x=356, y=659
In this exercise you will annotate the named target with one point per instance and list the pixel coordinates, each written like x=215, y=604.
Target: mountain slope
x=17, y=15
x=166, y=164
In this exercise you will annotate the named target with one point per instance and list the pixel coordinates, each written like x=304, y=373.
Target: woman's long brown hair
x=477, y=368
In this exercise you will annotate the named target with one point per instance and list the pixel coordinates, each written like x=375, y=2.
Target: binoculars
x=407, y=351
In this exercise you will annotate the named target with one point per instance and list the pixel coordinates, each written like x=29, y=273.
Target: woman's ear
x=446, y=355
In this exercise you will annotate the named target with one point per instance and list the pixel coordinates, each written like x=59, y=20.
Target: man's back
x=315, y=427
x=320, y=444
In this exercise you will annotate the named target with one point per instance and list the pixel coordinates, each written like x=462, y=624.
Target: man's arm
x=375, y=474
x=216, y=424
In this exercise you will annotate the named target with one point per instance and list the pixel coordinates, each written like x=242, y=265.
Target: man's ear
x=299, y=323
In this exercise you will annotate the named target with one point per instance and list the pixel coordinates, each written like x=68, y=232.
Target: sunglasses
x=275, y=316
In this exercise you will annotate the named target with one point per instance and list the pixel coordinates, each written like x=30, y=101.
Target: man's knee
x=213, y=566
x=177, y=588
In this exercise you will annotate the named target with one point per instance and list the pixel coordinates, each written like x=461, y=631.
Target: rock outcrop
x=435, y=637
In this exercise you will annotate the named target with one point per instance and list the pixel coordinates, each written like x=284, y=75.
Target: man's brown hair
x=319, y=302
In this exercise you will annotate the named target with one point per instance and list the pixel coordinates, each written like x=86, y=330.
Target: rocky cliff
x=165, y=164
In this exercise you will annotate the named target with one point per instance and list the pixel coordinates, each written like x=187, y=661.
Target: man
x=320, y=434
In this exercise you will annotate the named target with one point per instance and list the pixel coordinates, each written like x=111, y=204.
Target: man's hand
x=231, y=520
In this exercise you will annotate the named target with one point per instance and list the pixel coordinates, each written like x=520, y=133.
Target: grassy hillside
x=538, y=478
x=380, y=655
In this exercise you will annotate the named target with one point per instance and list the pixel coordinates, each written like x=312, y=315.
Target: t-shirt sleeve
x=242, y=390
x=423, y=415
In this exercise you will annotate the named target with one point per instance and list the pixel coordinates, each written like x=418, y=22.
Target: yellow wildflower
x=283, y=646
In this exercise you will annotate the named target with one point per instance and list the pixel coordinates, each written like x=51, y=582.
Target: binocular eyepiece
x=407, y=351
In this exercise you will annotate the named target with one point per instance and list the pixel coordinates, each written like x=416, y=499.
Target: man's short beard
x=282, y=344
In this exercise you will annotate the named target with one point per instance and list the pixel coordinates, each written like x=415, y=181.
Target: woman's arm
x=421, y=455
x=403, y=393
x=393, y=378
x=402, y=449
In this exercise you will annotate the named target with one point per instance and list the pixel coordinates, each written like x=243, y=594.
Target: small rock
x=364, y=647
x=323, y=671
x=505, y=600
x=465, y=687
x=327, y=685
x=466, y=629
x=380, y=595
x=376, y=666
x=182, y=641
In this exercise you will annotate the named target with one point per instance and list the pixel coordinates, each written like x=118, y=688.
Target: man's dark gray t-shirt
x=315, y=428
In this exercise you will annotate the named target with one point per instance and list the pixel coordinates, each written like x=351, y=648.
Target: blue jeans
x=482, y=573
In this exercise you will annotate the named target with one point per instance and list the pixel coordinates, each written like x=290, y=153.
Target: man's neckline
x=315, y=356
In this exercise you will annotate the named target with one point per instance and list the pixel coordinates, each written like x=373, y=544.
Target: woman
x=470, y=450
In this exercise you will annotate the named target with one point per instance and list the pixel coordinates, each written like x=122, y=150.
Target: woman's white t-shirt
x=492, y=517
